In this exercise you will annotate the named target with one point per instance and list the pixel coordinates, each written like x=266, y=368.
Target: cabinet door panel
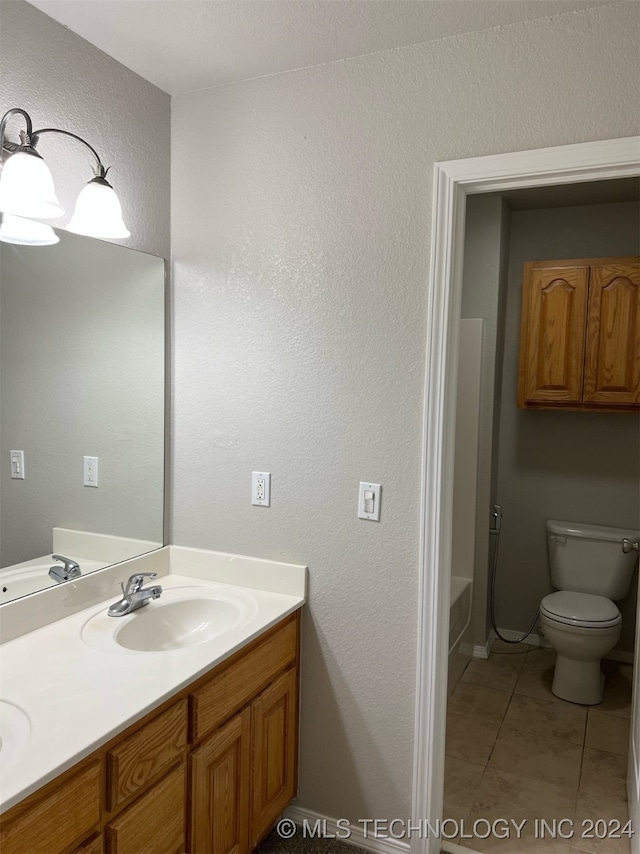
x=274, y=720
x=54, y=823
x=220, y=781
x=554, y=311
x=612, y=374
x=154, y=824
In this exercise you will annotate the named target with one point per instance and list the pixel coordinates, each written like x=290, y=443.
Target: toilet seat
x=580, y=609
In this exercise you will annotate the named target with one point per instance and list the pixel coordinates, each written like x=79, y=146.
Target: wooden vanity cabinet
x=59, y=817
x=209, y=772
x=580, y=335
x=220, y=789
x=274, y=717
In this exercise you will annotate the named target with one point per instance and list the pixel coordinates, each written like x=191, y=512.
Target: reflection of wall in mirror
x=81, y=373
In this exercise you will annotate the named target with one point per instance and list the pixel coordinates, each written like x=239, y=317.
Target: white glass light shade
x=98, y=212
x=26, y=188
x=26, y=232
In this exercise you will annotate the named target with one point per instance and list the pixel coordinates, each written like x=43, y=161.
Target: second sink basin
x=15, y=731
x=183, y=617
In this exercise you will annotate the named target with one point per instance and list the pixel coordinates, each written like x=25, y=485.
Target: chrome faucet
x=134, y=595
x=70, y=570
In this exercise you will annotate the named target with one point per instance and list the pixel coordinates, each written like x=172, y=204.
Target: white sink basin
x=183, y=617
x=15, y=732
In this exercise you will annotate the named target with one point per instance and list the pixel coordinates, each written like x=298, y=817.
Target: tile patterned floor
x=516, y=751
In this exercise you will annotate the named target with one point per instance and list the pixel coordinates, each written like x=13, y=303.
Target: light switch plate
x=17, y=465
x=369, y=501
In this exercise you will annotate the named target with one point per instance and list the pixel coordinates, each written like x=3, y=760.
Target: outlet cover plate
x=261, y=488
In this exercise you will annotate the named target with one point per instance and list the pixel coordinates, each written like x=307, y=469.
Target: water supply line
x=496, y=515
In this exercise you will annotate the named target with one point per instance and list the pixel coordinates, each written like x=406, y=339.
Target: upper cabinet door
x=554, y=313
x=612, y=369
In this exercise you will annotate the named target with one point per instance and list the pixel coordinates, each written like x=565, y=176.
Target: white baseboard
x=483, y=650
x=332, y=830
x=534, y=639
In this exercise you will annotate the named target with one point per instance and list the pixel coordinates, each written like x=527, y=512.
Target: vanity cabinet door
x=274, y=725
x=220, y=781
x=155, y=823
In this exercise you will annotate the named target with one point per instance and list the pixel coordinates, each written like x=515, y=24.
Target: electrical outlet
x=261, y=488
x=91, y=471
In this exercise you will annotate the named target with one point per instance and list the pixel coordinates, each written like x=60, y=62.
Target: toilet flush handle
x=630, y=546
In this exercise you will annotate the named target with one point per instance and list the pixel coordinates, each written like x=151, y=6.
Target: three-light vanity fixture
x=27, y=192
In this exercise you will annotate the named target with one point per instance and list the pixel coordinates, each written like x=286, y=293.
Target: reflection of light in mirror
x=26, y=232
x=26, y=187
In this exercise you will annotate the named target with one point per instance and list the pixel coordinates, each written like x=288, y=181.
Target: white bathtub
x=460, y=647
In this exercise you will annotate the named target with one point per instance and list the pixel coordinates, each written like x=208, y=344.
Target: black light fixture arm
x=29, y=138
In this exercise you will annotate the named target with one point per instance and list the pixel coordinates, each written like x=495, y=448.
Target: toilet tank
x=589, y=558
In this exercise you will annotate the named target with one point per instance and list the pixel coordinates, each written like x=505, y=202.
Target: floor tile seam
x=510, y=810
x=537, y=732
x=594, y=793
x=469, y=681
x=542, y=735
x=512, y=654
x=612, y=714
x=537, y=779
x=615, y=752
x=497, y=690
x=572, y=789
x=475, y=718
x=607, y=753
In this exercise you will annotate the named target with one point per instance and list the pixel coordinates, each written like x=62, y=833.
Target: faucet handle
x=135, y=582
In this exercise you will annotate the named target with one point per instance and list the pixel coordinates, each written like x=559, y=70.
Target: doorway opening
x=454, y=181
x=541, y=755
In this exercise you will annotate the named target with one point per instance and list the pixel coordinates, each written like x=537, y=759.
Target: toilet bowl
x=582, y=628
x=589, y=569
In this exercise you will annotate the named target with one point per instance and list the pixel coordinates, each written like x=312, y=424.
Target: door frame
x=453, y=180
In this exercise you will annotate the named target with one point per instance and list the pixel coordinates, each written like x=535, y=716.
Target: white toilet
x=589, y=569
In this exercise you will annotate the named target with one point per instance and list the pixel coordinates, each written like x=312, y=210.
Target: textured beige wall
x=578, y=466
x=300, y=241
x=63, y=81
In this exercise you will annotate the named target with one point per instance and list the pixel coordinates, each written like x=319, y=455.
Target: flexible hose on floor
x=492, y=598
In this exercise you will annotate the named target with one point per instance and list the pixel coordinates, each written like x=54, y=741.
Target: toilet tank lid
x=590, y=532
x=581, y=607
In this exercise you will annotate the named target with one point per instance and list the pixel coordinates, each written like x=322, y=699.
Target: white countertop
x=77, y=697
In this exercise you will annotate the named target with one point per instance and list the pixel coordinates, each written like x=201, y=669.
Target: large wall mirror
x=82, y=374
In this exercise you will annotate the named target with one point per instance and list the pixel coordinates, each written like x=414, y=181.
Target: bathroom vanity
x=208, y=769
